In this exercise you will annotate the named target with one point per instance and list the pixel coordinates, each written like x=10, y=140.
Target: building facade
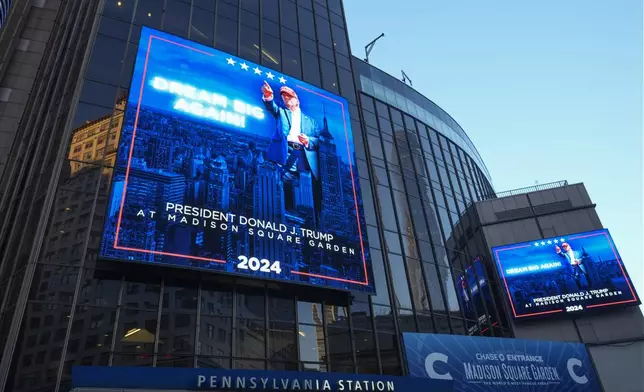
x=63, y=306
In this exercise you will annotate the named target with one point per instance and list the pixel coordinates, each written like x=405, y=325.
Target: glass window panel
x=205, y=4
x=340, y=351
x=311, y=68
x=452, y=298
x=215, y=336
x=336, y=316
x=314, y=367
x=361, y=315
x=149, y=13
x=442, y=325
x=119, y=9
x=402, y=210
x=249, y=5
x=250, y=305
x=105, y=63
x=270, y=10
x=417, y=284
x=216, y=363
x=136, y=331
x=250, y=340
x=202, y=27
x=311, y=341
x=329, y=76
x=281, y=342
x=281, y=309
x=307, y=25
x=309, y=312
x=177, y=333
x=288, y=11
x=366, y=355
x=340, y=39
x=180, y=298
x=228, y=9
x=249, y=44
x=271, y=54
x=425, y=323
x=382, y=296
x=249, y=364
x=400, y=282
x=216, y=303
x=249, y=19
x=433, y=283
x=389, y=356
x=132, y=359
x=226, y=38
x=324, y=31
x=178, y=17
x=393, y=242
x=291, y=60
x=141, y=295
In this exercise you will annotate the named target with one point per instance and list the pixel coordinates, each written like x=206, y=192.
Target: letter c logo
x=572, y=363
x=429, y=366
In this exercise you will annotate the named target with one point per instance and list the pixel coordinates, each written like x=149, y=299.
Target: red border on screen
x=127, y=174
x=612, y=246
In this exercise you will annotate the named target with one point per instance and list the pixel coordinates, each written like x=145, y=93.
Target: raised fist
x=267, y=91
x=557, y=248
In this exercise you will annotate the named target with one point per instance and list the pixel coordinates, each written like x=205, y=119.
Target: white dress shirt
x=296, y=126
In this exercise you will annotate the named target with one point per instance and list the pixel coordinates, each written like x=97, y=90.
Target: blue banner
x=573, y=273
x=500, y=365
x=255, y=380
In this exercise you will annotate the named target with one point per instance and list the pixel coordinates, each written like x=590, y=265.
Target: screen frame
x=368, y=283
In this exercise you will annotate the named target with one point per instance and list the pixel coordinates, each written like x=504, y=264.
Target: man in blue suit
x=294, y=145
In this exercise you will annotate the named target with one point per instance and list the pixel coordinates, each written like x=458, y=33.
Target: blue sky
x=547, y=90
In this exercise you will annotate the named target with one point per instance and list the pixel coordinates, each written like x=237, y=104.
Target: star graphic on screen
x=562, y=239
x=282, y=80
x=230, y=61
x=543, y=242
x=244, y=66
x=549, y=242
x=536, y=244
x=270, y=75
x=556, y=241
x=257, y=71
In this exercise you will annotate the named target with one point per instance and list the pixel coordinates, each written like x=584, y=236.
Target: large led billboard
x=476, y=297
x=229, y=166
x=567, y=274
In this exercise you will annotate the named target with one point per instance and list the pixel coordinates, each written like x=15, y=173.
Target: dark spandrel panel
x=136, y=331
x=202, y=27
x=249, y=364
x=211, y=362
x=249, y=339
x=168, y=360
x=141, y=295
x=215, y=336
x=150, y=13
x=250, y=5
x=311, y=343
x=283, y=366
x=442, y=325
x=177, y=333
x=132, y=359
x=366, y=353
x=406, y=321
